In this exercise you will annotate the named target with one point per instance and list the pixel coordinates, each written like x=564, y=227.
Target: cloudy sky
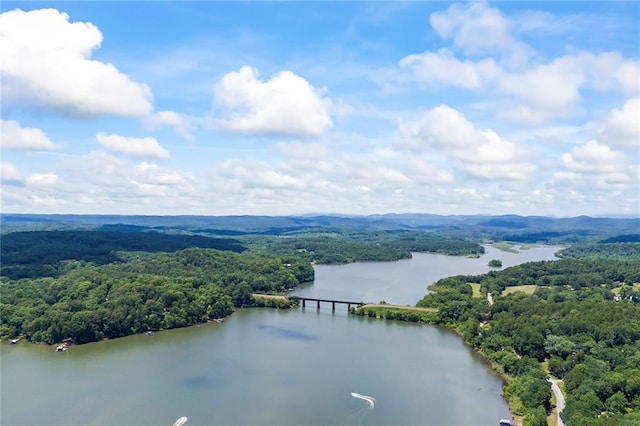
x=220, y=108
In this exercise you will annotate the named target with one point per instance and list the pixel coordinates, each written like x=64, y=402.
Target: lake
x=405, y=282
x=271, y=367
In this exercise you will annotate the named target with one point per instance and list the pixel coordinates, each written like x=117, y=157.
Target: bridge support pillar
x=318, y=304
x=304, y=304
x=333, y=306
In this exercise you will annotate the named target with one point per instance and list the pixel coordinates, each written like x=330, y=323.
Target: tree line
x=141, y=291
x=341, y=246
x=38, y=253
x=573, y=323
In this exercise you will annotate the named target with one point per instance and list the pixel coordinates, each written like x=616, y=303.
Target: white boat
x=61, y=348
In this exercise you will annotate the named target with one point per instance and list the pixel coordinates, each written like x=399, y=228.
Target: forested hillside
x=142, y=291
x=38, y=253
x=611, y=248
x=580, y=316
x=342, y=246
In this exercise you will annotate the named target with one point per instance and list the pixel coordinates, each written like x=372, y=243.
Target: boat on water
x=62, y=348
x=13, y=341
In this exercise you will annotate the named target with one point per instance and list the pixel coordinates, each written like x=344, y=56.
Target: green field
x=527, y=289
x=476, y=289
x=400, y=313
x=504, y=246
x=528, y=246
x=616, y=290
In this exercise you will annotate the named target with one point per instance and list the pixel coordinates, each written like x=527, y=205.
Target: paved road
x=559, y=399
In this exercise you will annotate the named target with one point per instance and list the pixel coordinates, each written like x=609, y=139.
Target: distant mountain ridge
x=518, y=229
x=258, y=223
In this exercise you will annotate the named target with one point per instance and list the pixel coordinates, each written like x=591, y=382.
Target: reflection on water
x=288, y=333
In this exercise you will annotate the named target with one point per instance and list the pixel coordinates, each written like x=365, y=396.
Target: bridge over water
x=333, y=302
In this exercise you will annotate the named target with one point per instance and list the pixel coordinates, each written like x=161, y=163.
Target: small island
x=495, y=263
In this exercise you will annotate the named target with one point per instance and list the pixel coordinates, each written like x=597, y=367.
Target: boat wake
x=181, y=421
x=370, y=400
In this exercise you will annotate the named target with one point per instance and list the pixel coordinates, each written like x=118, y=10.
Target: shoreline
x=493, y=367
x=490, y=365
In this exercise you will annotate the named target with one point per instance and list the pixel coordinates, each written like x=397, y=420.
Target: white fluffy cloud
x=594, y=158
x=516, y=171
x=447, y=130
x=611, y=71
x=13, y=136
x=550, y=90
x=183, y=124
x=442, y=67
x=42, y=179
x=622, y=126
x=286, y=103
x=546, y=90
x=260, y=175
x=98, y=182
x=423, y=172
x=46, y=61
x=134, y=147
x=520, y=84
x=152, y=174
x=440, y=127
x=476, y=28
x=10, y=174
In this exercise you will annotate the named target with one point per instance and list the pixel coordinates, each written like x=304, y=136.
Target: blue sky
x=225, y=108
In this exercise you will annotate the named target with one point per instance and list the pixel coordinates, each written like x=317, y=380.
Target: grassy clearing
x=476, y=290
x=504, y=246
x=616, y=291
x=527, y=289
x=269, y=296
x=528, y=246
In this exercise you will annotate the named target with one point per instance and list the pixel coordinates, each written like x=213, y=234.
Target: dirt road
x=559, y=399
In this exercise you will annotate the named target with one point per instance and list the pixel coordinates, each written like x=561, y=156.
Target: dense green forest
x=343, y=246
x=611, y=248
x=141, y=291
x=325, y=249
x=574, y=320
x=39, y=253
